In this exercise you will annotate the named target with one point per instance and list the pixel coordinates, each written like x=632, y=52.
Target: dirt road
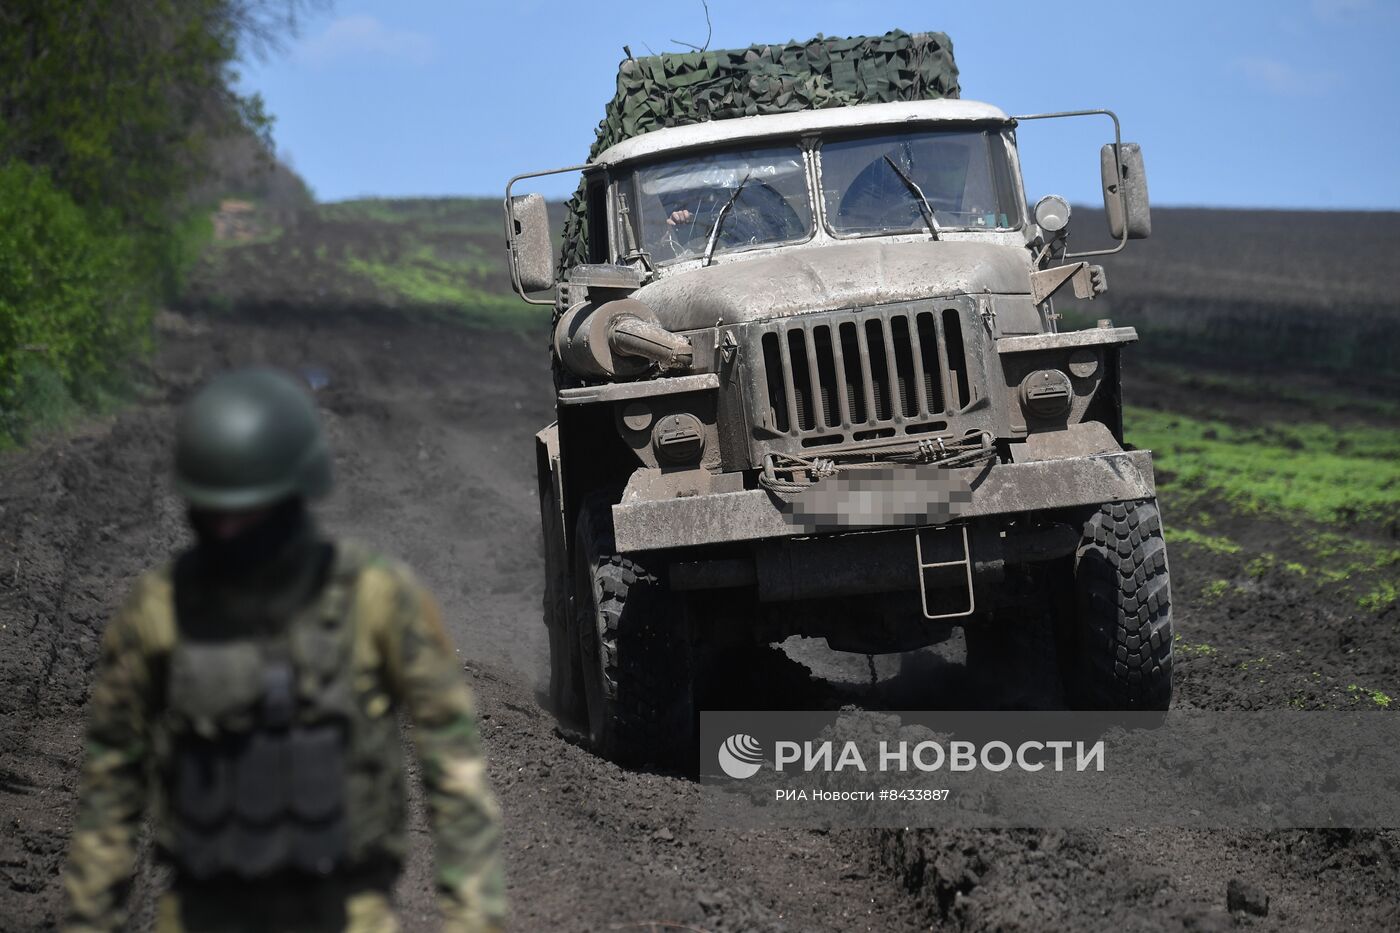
x=432, y=428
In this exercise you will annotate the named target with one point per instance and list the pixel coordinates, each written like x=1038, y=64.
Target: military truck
x=811, y=381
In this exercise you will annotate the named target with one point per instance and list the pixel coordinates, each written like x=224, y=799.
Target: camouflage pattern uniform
x=400, y=657
x=249, y=691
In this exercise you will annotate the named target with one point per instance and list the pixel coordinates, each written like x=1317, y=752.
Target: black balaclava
x=280, y=537
x=255, y=581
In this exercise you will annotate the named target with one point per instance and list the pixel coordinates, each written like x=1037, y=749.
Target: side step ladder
x=943, y=545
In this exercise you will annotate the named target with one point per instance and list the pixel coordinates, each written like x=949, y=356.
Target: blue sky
x=1289, y=103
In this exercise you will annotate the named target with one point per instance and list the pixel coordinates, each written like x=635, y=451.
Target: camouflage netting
x=677, y=89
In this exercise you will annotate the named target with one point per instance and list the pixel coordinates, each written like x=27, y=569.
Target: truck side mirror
x=530, y=245
x=1125, y=191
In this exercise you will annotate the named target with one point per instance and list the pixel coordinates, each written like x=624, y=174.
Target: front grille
x=853, y=376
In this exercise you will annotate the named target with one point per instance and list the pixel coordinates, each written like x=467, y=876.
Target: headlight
x=1046, y=393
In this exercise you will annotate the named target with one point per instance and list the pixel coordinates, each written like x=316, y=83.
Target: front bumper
x=644, y=522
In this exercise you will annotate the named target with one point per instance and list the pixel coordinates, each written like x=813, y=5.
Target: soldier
x=252, y=684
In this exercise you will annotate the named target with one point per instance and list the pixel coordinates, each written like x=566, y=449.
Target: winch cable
x=804, y=472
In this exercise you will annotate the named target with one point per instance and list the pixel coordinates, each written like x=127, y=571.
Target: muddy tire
x=1114, y=622
x=637, y=669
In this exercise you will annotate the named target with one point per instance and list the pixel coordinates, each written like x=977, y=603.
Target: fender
x=551, y=490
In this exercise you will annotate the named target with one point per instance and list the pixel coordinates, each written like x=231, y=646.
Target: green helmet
x=248, y=439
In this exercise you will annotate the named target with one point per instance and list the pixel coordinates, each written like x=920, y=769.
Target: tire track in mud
x=433, y=432
x=432, y=428
x=69, y=537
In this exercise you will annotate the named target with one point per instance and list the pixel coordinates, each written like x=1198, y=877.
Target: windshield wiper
x=719, y=219
x=925, y=210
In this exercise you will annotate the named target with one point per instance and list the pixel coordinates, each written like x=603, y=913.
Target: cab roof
x=738, y=129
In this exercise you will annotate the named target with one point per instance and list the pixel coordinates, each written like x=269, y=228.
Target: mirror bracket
x=1117, y=146
x=607, y=275
x=1046, y=282
x=517, y=210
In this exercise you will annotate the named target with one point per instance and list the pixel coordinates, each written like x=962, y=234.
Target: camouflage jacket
x=400, y=658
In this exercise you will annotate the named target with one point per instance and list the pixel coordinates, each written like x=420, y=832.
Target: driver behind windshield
x=684, y=204
x=689, y=216
x=867, y=183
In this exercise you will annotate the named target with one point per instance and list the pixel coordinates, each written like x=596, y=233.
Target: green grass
x=1215, y=589
x=430, y=285
x=1341, y=558
x=47, y=403
x=1327, y=493
x=1216, y=544
x=1383, y=594
x=460, y=215
x=1366, y=571
x=442, y=257
x=1322, y=472
x=1187, y=648
x=1375, y=696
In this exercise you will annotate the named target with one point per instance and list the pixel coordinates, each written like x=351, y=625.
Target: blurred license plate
x=880, y=496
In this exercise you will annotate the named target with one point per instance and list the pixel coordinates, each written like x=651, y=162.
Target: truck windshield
x=963, y=175
x=677, y=204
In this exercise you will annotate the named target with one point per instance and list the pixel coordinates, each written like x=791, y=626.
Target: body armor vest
x=265, y=745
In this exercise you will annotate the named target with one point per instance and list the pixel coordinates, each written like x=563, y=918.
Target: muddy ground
x=432, y=428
